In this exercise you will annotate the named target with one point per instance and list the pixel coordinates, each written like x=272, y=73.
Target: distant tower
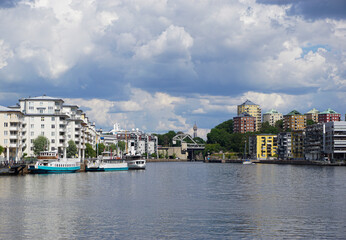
x=194, y=130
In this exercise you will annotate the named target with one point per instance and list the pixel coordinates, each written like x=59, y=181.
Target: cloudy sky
x=162, y=65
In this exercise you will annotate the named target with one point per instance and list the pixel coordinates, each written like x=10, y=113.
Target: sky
x=161, y=65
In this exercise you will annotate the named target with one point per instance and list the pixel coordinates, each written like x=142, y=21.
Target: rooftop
x=5, y=109
x=43, y=97
x=248, y=102
x=329, y=111
x=272, y=111
x=293, y=112
x=313, y=111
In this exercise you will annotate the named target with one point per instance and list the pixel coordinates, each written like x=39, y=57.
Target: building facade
x=312, y=115
x=244, y=123
x=285, y=146
x=263, y=146
x=298, y=138
x=329, y=116
x=335, y=141
x=12, y=131
x=272, y=117
x=252, y=109
x=314, y=142
x=294, y=121
x=49, y=117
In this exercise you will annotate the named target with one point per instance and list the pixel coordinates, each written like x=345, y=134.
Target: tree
x=89, y=151
x=310, y=122
x=1, y=149
x=199, y=140
x=100, y=148
x=41, y=143
x=71, y=149
x=122, y=146
x=112, y=147
x=227, y=126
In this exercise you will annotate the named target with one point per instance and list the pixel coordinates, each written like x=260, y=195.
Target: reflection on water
x=177, y=200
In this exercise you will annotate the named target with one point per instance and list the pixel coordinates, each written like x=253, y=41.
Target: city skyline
x=164, y=65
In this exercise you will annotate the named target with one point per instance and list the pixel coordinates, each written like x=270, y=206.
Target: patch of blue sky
x=314, y=48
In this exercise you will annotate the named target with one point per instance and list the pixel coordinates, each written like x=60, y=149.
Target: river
x=178, y=200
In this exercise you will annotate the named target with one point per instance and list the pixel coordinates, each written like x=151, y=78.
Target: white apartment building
x=272, y=116
x=11, y=134
x=49, y=117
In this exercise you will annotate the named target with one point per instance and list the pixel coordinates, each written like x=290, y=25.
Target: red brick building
x=244, y=123
x=329, y=116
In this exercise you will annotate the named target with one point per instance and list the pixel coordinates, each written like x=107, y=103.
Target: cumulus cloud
x=161, y=65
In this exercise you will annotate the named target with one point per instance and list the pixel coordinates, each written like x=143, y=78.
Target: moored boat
x=247, y=162
x=106, y=163
x=136, y=162
x=49, y=162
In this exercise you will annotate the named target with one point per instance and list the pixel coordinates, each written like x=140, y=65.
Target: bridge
x=188, y=144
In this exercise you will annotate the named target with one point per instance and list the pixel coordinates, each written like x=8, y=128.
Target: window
x=5, y=133
x=32, y=140
x=42, y=119
x=42, y=133
x=53, y=118
x=41, y=111
x=5, y=141
x=53, y=134
x=53, y=125
x=42, y=125
x=32, y=125
x=41, y=103
x=5, y=124
x=32, y=134
x=53, y=141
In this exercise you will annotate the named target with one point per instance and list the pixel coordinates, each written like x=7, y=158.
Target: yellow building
x=252, y=109
x=266, y=146
x=294, y=121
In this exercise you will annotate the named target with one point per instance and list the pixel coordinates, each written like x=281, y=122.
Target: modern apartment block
x=272, y=117
x=298, y=145
x=329, y=116
x=49, y=117
x=335, y=141
x=314, y=142
x=12, y=129
x=252, y=109
x=263, y=146
x=294, y=121
x=243, y=123
x=312, y=115
x=136, y=141
x=285, y=146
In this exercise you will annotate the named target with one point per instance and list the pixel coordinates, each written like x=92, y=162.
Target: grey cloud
x=313, y=9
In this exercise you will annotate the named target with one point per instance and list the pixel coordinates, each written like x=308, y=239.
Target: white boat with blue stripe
x=49, y=162
x=107, y=162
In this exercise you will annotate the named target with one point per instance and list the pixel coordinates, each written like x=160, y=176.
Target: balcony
x=14, y=128
x=13, y=137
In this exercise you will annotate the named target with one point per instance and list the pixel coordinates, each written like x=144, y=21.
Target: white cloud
x=5, y=53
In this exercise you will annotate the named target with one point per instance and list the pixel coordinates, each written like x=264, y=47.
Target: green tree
x=122, y=146
x=101, y=147
x=89, y=151
x=199, y=140
x=212, y=148
x=41, y=143
x=227, y=126
x=112, y=147
x=1, y=149
x=310, y=122
x=267, y=128
x=71, y=149
x=154, y=155
x=280, y=125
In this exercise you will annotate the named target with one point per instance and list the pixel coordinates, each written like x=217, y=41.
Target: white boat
x=49, y=162
x=247, y=162
x=106, y=163
x=136, y=162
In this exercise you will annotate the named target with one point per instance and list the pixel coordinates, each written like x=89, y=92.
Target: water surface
x=178, y=201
